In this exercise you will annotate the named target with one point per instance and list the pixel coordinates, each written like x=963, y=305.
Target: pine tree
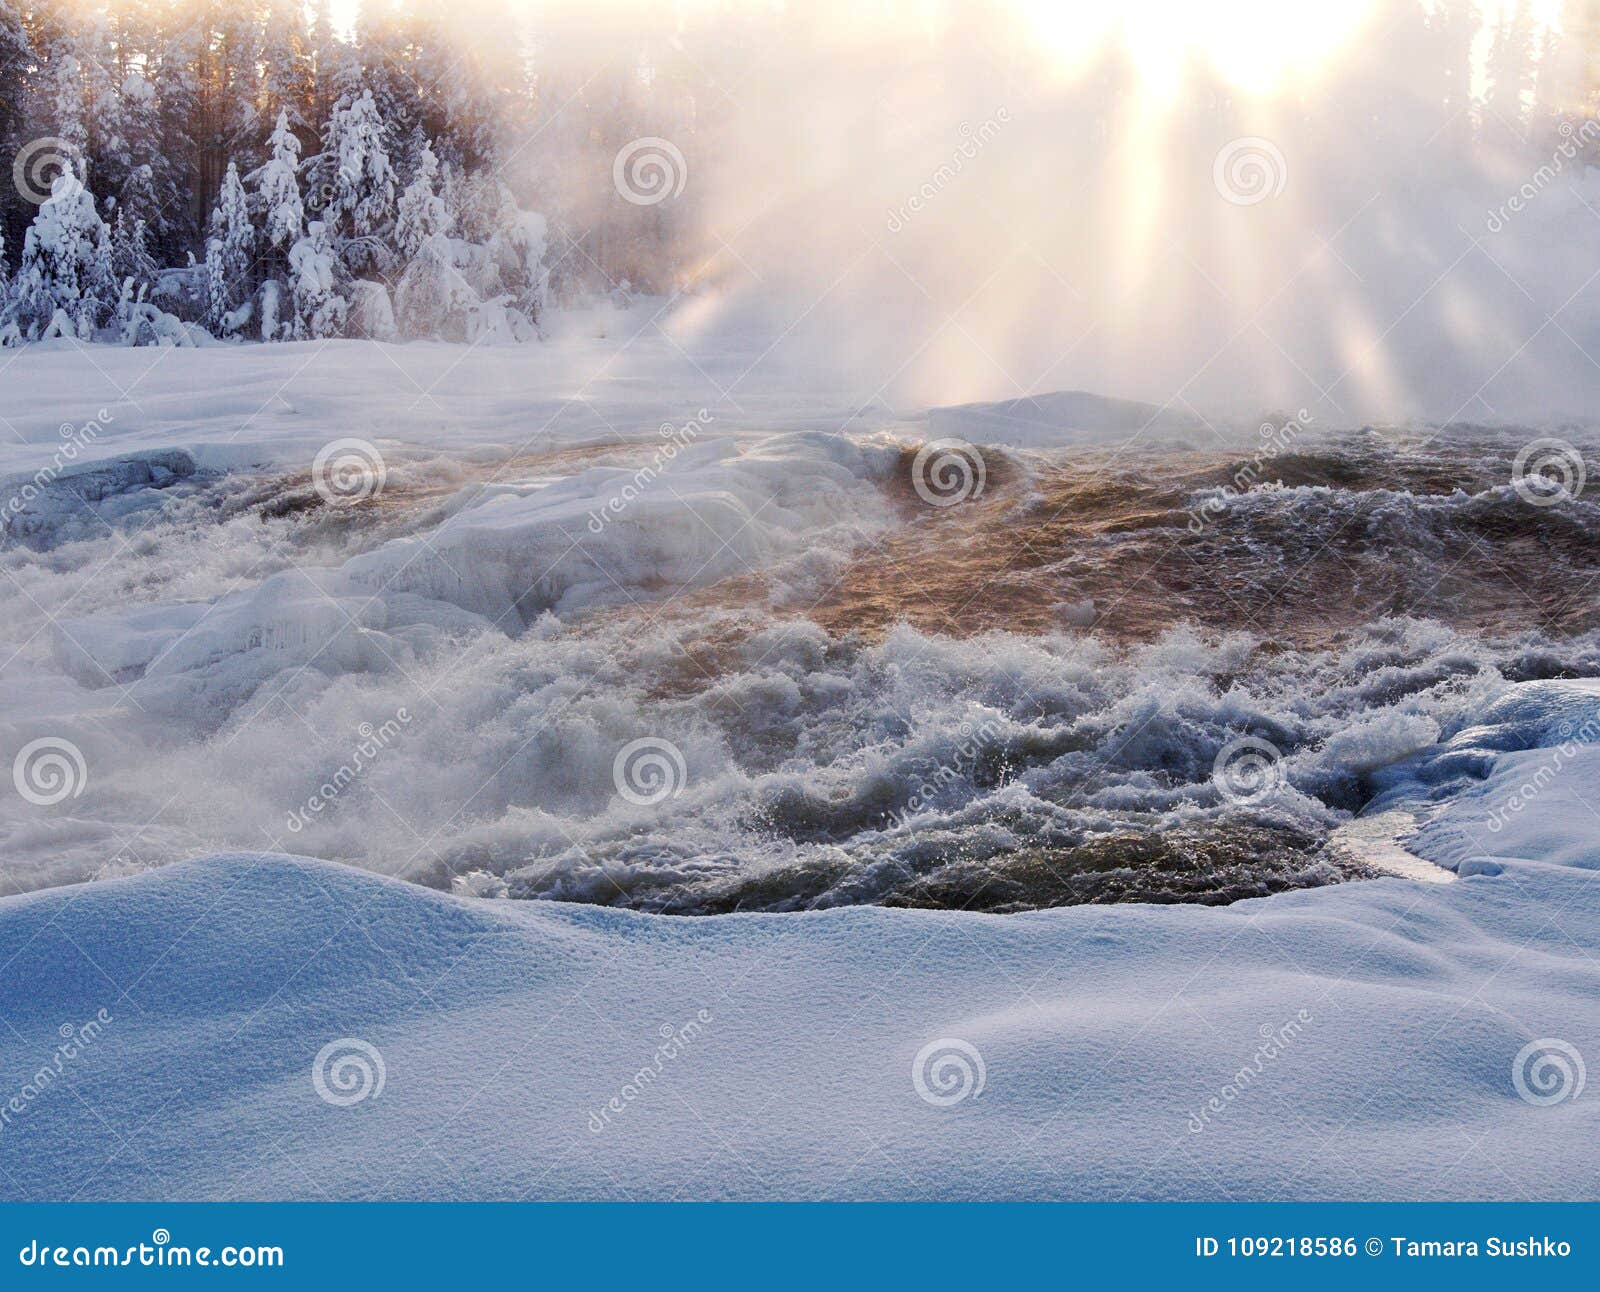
x=61, y=101
x=130, y=252
x=230, y=258
x=319, y=306
x=278, y=188
x=16, y=63
x=178, y=75
x=361, y=208
x=422, y=212
x=287, y=85
x=104, y=124
x=152, y=190
x=433, y=299
x=5, y=292
x=326, y=53
x=66, y=265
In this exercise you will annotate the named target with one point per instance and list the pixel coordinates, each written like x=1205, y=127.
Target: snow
x=1059, y=418
x=1356, y=1041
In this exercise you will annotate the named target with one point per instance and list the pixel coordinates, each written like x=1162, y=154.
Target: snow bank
x=1061, y=418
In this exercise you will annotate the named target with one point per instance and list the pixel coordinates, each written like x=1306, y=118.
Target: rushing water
x=1101, y=678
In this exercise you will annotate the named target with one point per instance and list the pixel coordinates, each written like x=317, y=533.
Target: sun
x=1258, y=46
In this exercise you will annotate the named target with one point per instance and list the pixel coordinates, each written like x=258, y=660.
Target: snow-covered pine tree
x=230, y=259
x=151, y=180
x=326, y=51
x=104, y=122
x=16, y=63
x=278, y=188
x=179, y=104
x=517, y=247
x=360, y=211
x=65, y=283
x=422, y=212
x=319, y=306
x=63, y=97
x=234, y=64
x=286, y=61
x=282, y=213
x=130, y=251
x=433, y=300
x=6, y=325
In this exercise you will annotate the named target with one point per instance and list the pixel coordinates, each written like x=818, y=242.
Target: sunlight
x=1254, y=44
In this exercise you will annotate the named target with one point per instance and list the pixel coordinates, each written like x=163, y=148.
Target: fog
x=1372, y=211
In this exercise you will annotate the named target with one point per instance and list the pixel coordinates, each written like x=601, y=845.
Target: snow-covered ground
x=427, y=652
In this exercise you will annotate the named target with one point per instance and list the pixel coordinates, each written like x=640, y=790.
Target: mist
x=1372, y=211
